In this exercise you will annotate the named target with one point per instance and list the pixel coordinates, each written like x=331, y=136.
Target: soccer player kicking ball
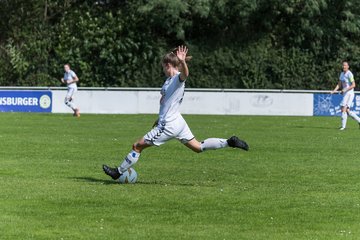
x=346, y=84
x=170, y=123
x=70, y=80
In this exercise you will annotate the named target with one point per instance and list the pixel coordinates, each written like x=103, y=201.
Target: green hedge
x=235, y=44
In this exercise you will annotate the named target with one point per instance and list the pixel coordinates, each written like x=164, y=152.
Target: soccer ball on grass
x=129, y=176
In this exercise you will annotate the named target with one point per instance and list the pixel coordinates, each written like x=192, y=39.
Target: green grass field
x=300, y=180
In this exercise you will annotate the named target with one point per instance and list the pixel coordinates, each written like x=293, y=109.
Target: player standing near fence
x=70, y=80
x=170, y=124
x=346, y=84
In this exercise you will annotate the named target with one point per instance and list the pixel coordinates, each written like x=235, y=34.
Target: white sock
x=354, y=116
x=343, y=119
x=129, y=160
x=213, y=143
x=70, y=104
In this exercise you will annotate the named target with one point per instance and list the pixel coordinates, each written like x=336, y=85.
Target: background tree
x=295, y=44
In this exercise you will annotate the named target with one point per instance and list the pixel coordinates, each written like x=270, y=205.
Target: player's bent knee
x=136, y=147
x=140, y=145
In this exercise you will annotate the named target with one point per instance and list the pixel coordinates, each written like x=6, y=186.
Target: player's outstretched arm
x=74, y=79
x=336, y=88
x=353, y=85
x=181, y=54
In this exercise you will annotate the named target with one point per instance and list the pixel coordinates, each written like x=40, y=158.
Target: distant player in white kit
x=70, y=80
x=346, y=84
x=170, y=123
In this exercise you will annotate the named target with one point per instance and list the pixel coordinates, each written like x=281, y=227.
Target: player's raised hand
x=181, y=53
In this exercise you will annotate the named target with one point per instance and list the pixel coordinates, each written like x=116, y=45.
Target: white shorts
x=347, y=99
x=70, y=92
x=175, y=129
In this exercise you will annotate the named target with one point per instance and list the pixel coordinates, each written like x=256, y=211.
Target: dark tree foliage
x=293, y=44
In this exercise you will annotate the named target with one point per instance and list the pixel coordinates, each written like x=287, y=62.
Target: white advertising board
x=234, y=103
x=195, y=102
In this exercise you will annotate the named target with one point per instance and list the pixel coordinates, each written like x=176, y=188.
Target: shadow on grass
x=314, y=127
x=95, y=180
x=167, y=184
x=111, y=182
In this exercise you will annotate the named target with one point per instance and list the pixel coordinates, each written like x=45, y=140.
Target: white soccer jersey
x=346, y=80
x=69, y=76
x=172, y=95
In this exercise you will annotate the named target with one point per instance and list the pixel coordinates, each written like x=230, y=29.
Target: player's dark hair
x=67, y=64
x=172, y=59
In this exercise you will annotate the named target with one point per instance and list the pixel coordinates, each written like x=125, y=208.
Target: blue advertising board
x=25, y=101
x=329, y=104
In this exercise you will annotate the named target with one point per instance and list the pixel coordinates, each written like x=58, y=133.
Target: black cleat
x=112, y=172
x=235, y=142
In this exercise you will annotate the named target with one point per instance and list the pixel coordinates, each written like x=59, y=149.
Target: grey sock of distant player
x=343, y=119
x=129, y=160
x=354, y=116
x=213, y=143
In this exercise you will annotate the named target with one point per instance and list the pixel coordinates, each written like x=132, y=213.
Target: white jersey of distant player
x=69, y=76
x=346, y=80
x=172, y=95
